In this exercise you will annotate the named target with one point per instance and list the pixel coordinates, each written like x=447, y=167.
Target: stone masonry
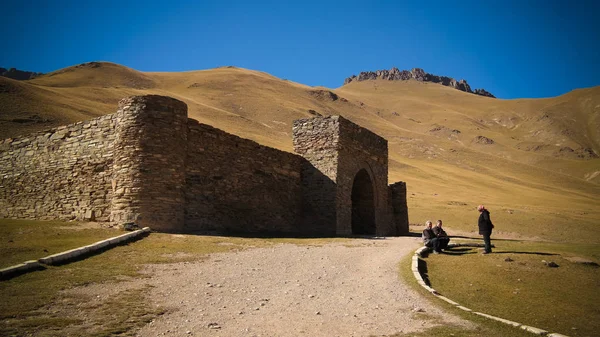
x=150, y=164
x=339, y=150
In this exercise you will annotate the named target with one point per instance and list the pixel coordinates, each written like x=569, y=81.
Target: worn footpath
x=340, y=289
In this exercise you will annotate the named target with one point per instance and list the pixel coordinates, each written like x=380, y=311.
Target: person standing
x=485, y=228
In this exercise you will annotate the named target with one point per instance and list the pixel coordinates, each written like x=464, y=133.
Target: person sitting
x=441, y=235
x=430, y=239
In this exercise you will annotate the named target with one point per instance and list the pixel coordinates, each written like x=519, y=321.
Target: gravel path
x=337, y=289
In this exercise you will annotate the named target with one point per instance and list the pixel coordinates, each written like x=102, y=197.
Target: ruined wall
x=361, y=149
x=317, y=140
x=149, y=163
x=399, y=207
x=339, y=149
x=63, y=173
x=236, y=185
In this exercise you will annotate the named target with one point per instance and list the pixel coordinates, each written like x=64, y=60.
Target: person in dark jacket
x=485, y=228
x=441, y=235
x=430, y=239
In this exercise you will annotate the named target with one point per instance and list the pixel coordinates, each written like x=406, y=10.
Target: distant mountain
x=19, y=75
x=417, y=74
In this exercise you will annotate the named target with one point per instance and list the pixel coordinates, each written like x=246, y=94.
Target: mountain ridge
x=19, y=75
x=418, y=74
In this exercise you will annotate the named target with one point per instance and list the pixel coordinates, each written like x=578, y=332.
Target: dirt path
x=287, y=290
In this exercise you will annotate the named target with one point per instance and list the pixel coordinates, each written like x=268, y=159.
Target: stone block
x=534, y=330
x=464, y=308
x=502, y=320
x=443, y=298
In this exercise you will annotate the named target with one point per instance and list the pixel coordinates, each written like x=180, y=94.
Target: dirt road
x=349, y=289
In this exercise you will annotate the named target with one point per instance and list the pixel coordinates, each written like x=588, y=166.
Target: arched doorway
x=363, y=205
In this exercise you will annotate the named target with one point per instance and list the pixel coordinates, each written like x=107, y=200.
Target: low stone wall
x=63, y=173
x=236, y=185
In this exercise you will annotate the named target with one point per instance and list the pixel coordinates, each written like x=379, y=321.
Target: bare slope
x=534, y=161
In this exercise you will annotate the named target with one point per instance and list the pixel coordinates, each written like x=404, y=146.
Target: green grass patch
x=22, y=240
x=514, y=283
x=482, y=326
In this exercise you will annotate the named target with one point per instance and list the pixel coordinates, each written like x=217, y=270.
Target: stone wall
x=317, y=140
x=150, y=164
x=63, y=173
x=361, y=149
x=236, y=185
x=399, y=207
x=339, y=150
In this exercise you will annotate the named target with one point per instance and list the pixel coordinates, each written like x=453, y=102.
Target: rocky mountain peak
x=17, y=74
x=418, y=74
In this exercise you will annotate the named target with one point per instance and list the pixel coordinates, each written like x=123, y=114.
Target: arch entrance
x=363, y=204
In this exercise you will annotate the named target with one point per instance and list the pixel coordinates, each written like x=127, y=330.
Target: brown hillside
x=533, y=161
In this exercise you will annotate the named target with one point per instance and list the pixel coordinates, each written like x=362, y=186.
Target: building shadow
x=422, y=266
x=526, y=253
x=480, y=238
x=413, y=234
x=459, y=251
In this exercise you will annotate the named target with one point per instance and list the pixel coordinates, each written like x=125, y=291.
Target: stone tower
x=149, y=163
x=345, y=178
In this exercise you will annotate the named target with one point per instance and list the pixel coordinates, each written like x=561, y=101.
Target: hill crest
x=418, y=74
x=19, y=75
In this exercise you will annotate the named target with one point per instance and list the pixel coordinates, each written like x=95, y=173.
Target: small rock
x=317, y=313
x=214, y=326
x=508, y=259
x=130, y=226
x=552, y=264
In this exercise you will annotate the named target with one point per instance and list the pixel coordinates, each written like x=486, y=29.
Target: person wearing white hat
x=485, y=228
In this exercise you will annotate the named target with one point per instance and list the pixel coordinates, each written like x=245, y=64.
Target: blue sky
x=513, y=49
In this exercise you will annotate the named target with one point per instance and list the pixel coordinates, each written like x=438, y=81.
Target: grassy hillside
x=533, y=162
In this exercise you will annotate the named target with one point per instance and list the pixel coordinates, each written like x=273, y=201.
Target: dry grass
x=24, y=240
x=514, y=283
x=484, y=326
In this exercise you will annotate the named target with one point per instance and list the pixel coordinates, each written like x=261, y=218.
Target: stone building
x=150, y=164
